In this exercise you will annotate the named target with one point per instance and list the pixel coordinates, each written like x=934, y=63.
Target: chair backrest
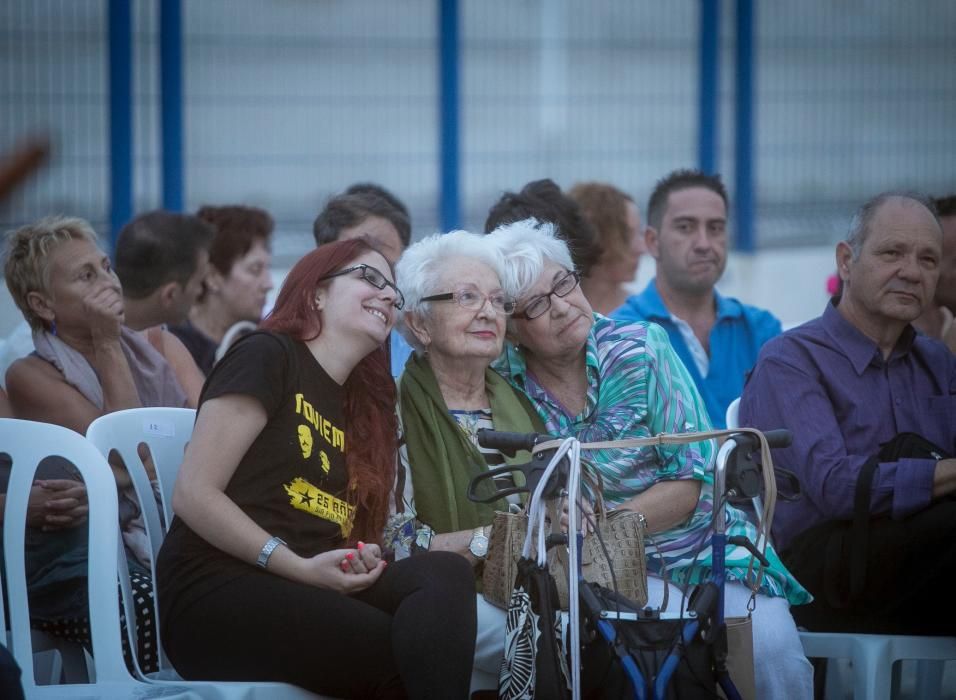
x=733, y=414
x=165, y=431
x=28, y=443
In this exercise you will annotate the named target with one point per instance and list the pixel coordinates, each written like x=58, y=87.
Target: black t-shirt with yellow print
x=292, y=480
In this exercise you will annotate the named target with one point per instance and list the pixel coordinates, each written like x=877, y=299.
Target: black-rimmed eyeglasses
x=374, y=278
x=539, y=304
x=474, y=300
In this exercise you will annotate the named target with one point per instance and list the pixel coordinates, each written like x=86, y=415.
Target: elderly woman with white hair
x=596, y=380
x=454, y=318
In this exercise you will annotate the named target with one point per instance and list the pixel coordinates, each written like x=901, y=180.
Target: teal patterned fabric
x=638, y=387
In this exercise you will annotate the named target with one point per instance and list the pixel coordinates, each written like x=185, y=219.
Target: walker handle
x=748, y=442
x=509, y=443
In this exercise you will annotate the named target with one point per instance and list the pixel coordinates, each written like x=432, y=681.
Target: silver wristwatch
x=479, y=543
x=267, y=549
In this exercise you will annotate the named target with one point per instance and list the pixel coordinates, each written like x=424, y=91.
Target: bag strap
x=860, y=530
x=859, y=535
x=905, y=444
x=662, y=439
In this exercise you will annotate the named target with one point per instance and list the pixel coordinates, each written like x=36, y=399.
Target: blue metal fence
x=282, y=103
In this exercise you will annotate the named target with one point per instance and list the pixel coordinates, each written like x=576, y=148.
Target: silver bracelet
x=267, y=549
x=423, y=538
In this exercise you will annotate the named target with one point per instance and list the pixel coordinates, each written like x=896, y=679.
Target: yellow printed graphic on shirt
x=323, y=427
x=313, y=500
x=305, y=441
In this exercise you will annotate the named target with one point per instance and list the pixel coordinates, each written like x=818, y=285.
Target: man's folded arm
x=781, y=394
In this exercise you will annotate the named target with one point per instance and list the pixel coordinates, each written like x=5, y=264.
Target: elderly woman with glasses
x=596, y=380
x=454, y=317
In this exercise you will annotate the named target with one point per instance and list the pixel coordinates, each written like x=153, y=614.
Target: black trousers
x=910, y=573
x=412, y=634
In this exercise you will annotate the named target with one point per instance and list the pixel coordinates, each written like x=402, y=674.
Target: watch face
x=479, y=545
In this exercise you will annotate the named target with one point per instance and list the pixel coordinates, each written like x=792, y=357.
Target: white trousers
x=489, y=646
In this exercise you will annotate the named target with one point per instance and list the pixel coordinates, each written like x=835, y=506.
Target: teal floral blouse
x=638, y=387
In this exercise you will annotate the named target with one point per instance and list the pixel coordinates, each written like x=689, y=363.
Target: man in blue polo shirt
x=717, y=337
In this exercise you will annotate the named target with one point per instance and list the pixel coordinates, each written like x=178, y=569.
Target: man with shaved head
x=872, y=407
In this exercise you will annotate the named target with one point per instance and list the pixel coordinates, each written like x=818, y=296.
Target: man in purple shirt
x=843, y=384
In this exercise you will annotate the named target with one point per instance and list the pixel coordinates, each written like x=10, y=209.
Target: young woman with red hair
x=272, y=568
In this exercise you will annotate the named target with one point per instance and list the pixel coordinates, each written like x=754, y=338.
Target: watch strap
x=267, y=549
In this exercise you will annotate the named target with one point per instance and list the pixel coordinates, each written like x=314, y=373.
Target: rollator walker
x=616, y=624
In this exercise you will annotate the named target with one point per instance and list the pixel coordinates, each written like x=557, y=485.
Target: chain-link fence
x=289, y=101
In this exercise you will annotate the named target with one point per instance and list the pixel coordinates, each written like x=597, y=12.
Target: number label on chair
x=159, y=428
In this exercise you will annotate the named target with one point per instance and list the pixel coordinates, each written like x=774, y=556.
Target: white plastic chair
x=56, y=660
x=166, y=432
x=28, y=443
x=873, y=656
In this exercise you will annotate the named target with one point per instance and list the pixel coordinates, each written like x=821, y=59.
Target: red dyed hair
x=369, y=390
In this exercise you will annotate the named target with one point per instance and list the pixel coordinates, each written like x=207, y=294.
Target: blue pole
x=744, y=127
x=171, y=96
x=708, y=108
x=450, y=204
x=121, y=115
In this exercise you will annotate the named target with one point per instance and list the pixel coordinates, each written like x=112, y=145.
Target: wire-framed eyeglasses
x=474, y=300
x=540, y=304
x=374, y=278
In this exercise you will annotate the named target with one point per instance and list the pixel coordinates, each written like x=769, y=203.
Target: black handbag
x=855, y=540
x=533, y=665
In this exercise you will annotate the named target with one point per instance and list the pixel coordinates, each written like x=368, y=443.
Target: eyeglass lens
x=561, y=288
x=379, y=281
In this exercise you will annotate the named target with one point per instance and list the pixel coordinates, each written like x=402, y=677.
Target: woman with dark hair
x=543, y=200
x=272, y=569
x=236, y=285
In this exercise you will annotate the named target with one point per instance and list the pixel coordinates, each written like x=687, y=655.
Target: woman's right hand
x=333, y=570
x=104, y=309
